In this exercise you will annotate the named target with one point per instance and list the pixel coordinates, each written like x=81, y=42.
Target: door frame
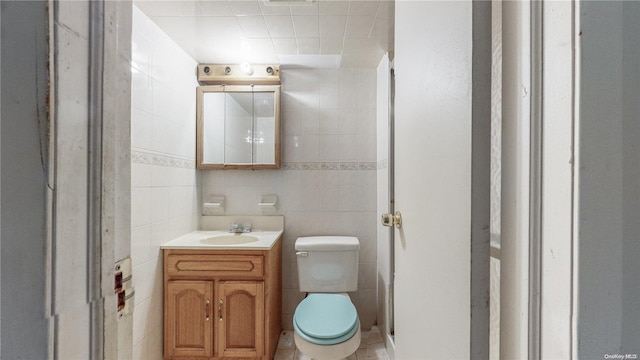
x=538, y=238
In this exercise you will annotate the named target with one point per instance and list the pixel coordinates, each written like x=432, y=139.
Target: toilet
x=325, y=323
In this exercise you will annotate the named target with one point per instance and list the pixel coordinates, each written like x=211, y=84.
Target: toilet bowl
x=326, y=324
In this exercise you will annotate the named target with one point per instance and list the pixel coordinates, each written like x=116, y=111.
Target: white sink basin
x=229, y=240
x=224, y=240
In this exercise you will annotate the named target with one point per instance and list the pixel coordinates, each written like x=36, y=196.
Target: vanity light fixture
x=239, y=74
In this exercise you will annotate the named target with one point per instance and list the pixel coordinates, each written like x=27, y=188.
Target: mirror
x=238, y=127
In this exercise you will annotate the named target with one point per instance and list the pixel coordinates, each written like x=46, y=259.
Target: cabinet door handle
x=220, y=309
x=206, y=309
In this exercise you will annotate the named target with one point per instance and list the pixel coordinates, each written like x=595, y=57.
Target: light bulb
x=246, y=68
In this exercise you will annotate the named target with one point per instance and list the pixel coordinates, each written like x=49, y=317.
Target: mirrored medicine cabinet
x=238, y=126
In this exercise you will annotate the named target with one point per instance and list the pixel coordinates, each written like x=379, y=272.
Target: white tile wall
x=327, y=185
x=165, y=191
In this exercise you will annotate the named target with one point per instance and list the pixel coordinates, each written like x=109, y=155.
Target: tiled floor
x=371, y=347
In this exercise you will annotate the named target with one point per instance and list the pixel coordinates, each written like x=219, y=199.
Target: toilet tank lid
x=327, y=243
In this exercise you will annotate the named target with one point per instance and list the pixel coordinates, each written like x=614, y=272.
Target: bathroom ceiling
x=314, y=33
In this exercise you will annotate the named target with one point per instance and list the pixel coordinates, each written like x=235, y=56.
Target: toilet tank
x=327, y=263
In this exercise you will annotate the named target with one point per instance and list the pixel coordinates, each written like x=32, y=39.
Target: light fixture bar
x=237, y=74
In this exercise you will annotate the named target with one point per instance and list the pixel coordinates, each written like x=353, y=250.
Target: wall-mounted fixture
x=246, y=68
x=268, y=204
x=238, y=126
x=241, y=74
x=215, y=205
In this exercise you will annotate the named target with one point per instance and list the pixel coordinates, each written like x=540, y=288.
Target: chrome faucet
x=237, y=228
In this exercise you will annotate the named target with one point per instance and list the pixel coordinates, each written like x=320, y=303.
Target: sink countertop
x=190, y=241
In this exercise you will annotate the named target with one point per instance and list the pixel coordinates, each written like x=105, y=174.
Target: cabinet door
x=241, y=319
x=188, y=324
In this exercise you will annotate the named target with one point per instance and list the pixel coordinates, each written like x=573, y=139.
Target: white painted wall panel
x=557, y=181
x=116, y=169
x=515, y=204
x=70, y=229
x=71, y=191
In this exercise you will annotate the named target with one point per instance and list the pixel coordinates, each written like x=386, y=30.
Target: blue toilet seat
x=326, y=319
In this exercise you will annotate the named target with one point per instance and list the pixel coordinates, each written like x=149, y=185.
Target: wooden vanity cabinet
x=222, y=303
x=187, y=316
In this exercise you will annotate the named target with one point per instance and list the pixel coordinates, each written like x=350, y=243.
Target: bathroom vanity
x=222, y=295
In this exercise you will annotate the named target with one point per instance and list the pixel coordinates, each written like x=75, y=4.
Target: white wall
x=609, y=199
x=555, y=182
x=165, y=195
x=70, y=113
x=327, y=184
x=115, y=150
